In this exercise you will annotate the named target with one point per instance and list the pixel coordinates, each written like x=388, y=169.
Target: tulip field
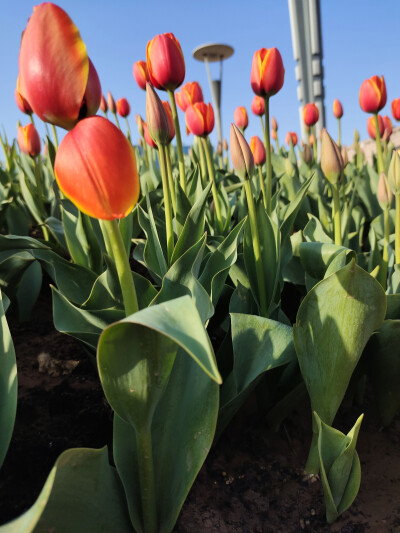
x=194, y=338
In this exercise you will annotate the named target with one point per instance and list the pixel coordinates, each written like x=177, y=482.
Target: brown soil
x=252, y=481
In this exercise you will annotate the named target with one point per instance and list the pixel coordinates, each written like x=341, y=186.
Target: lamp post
x=211, y=53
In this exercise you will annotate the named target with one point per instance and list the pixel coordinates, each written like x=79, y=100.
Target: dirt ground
x=252, y=481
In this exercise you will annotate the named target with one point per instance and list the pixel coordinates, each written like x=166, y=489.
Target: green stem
x=378, y=145
x=397, y=230
x=262, y=293
x=128, y=129
x=38, y=180
x=202, y=162
x=170, y=179
x=146, y=479
x=385, y=254
x=211, y=174
x=263, y=130
x=55, y=136
x=336, y=214
x=167, y=202
x=262, y=185
x=31, y=118
x=114, y=240
x=315, y=149
x=269, y=161
x=116, y=120
x=340, y=133
x=182, y=177
x=277, y=143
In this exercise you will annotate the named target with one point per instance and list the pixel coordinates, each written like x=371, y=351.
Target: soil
x=252, y=481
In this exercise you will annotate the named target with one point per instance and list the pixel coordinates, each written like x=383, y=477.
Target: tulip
x=291, y=137
x=311, y=140
x=241, y=154
x=372, y=94
x=274, y=135
x=29, y=140
x=267, y=72
x=396, y=108
x=388, y=126
x=189, y=94
x=22, y=103
x=95, y=168
x=156, y=117
x=56, y=75
x=103, y=105
x=139, y=122
x=274, y=124
x=140, y=74
x=337, y=109
x=310, y=114
x=384, y=194
x=241, y=118
x=306, y=154
x=371, y=126
x=165, y=62
x=345, y=156
x=167, y=108
x=225, y=145
x=111, y=103
x=219, y=149
x=200, y=119
x=147, y=137
x=258, y=150
x=123, y=107
x=258, y=106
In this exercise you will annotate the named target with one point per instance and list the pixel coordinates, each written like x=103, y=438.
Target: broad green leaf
x=314, y=232
x=28, y=290
x=293, y=209
x=154, y=253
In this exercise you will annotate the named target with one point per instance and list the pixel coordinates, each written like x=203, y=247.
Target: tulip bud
x=291, y=137
x=258, y=150
x=306, y=154
x=168, y=110
x=345, y=156
x=385, y=195
x=331, y=159
x=140, y=74
x=29, y=140
x=165, y=62
x=225, y=145
x=139, y=122
x=103, y=104
x=274, y=124
x=289, y=168
x=394, y=172
x=396, y=108
x=372, y=94
x=310, y=114
x=219, y=149
x=267, y=72
x=148, y=138
x=311, y=140
x=240, y=117
x=258, y=105
x=274, y=136
x=337, y=109
x=123, y=107
x=371, y=126
x=111, y=103
x=22, y=103
x=156, y=117
x=242, y=158
x=388, y=127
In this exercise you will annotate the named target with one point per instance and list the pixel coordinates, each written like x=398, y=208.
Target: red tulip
x=258, y=106
x=56, y=75
x=258, y=150
x=165, y=62
x=168, y=110
x=291, y=136
x=200, y=119
x=147, y=137
x=140, y=74
x=189, y=94
x=95, y=168
x=311, y=140
x=387, y=127
x=274, y=124
x=372, y=94
x=22, y=104
x=240, y=117
x=267, y=72
x=123, y=107
x=371, y=126
x=103, y=104
x=29, y=140
x=337, y=109
x=396, y=108
x=310, y=114
x=111, y=103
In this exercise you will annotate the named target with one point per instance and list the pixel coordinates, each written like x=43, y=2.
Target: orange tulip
x=140, y=74
x=267, y=72
x=258, y=106
x=189, y=94
x=387, y=126
x=396, y=108
x=95, y=168
x=310, y=114
x=147, y=137
x=274, y=124
x=123, y=107
x=240, y=117
x=165, y=62
x=56, y=75
x=372, y=94
x=291, y=136
x=371, y=126
x=200, y=119
x=29, y=140
x=22, y=104
x=337, y=109
x=258, y=150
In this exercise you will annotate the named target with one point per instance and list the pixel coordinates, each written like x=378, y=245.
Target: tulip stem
x=397, y=229
x=38, y=180
x=315, y=148
x=181, y=162
x=262, y=185
x=378, y=145
x=262, y=293
x=382, y=276
x=170, y=178
x=116, y=120
x=55, y=136
x=128, y=129
x=202, y=162
x=117, y=249
x=264, y=134
x=268, y=153
x=146, y=479
x=211, y=174
x=277, y=142
x=167, y=202
x=31, y=118
x=339, y=133
x=337, y=214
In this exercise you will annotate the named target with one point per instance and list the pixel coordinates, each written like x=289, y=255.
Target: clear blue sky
x=360, y=39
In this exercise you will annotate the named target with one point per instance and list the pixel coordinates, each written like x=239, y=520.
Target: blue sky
x=360, y=39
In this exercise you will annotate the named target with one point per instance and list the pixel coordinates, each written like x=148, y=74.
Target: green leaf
x=153, y=253
x=293, y=209
x=314, y=232
x=28, y=290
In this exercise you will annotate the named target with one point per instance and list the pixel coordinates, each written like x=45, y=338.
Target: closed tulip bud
x=29, y=140
x=396, y=108
x=225, y=145
x=291, y=137
x=331, y=159
x=306, y=154
x=274, y=124
x=267, y=72
x=371, y=126
x=140, y=74
x=168, y=110
x=241, y=155
x=22, y=103
x=310, y=114
x=337, y=109
x=123, y=107
x=258, y=105
x=139, y=122
x=200, y=119
x=240, y=117
x=388, y=127
x=165, y=62
x=56, y=75
x=345, y=156
x=103, y=104
x=219, y=148
x=274, y=135
x=372, y=94
x=394, y=172
x=385, y=195
x=258, y=150
x=147, y=137
x=189, y=94
x=156, y=117
x=111, y=103
x=95, y=168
